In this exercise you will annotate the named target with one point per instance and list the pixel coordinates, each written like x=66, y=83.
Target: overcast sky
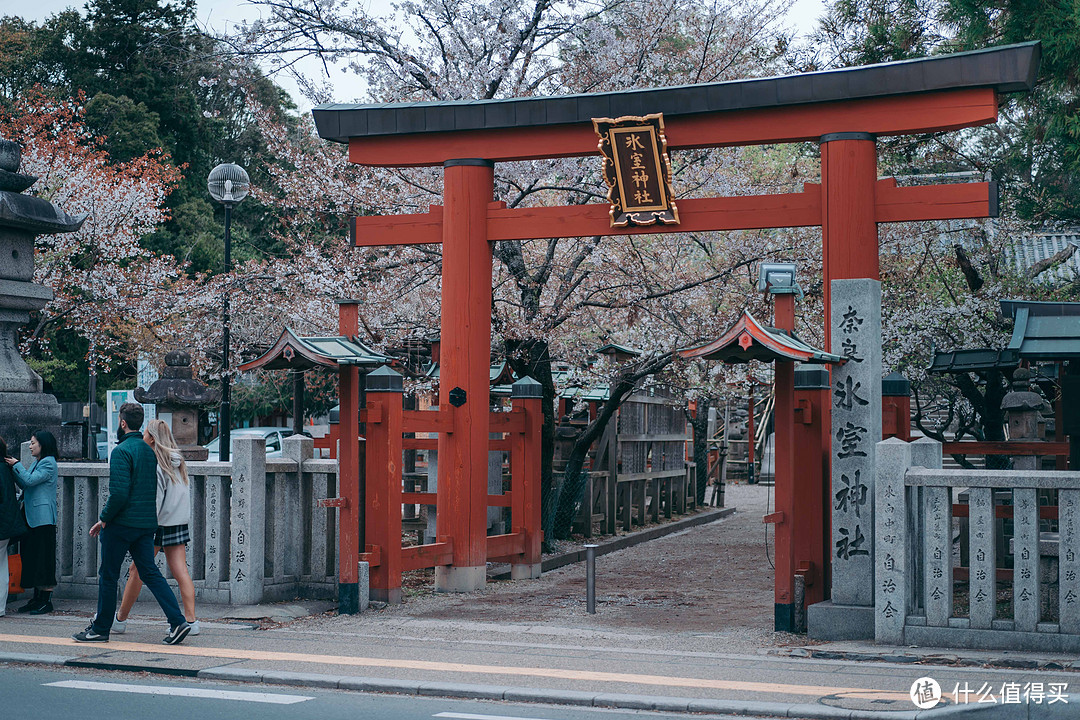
x=219, y=15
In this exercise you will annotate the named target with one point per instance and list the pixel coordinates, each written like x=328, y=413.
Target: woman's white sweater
x=173, y=498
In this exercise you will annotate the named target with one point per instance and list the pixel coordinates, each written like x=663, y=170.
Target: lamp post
x=228, y=184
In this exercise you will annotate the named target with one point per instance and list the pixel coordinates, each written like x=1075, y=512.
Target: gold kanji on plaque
x=637, y=170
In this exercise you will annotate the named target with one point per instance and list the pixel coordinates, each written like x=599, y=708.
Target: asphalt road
x=33, y=694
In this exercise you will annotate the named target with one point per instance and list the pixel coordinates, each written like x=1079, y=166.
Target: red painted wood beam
x=420, y=498
x=897, y=115
x=748, y=212
x=433, y=444
x=511, y=422
x=440, y=420
x=934, y=202
x=425, y=556
x=1046, y=512
x=502, y=546
x=372, y=555
x=420, y=443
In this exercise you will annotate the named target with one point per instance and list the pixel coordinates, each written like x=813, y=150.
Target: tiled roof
x=1030, y=250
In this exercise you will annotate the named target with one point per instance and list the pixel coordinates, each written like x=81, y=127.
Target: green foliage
x=154, y=80
x=271, y=392
x=129, y=129
x=1034, y=150
x=62, y=365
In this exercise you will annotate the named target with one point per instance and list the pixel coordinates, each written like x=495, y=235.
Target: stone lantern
x=178, y=397
x=26, y=408
x=1022, y=408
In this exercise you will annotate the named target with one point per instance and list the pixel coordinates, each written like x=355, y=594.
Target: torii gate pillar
x=848, y=227
x=464, y=380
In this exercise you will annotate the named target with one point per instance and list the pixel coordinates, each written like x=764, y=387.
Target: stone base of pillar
x=390, y=597
x=525, y=571
x=784, y=617
x=828, y=621
x=449, y=578
x=348, y=599
x=363, y=582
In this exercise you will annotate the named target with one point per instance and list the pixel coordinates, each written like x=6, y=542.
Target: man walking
x=127, y=525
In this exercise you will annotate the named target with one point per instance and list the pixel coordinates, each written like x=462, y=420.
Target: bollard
x=799, y=603
x=590, y=578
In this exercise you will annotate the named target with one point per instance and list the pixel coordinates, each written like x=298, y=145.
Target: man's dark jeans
x=116, y=542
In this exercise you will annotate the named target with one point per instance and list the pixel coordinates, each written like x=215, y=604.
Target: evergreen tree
x=1034, y=150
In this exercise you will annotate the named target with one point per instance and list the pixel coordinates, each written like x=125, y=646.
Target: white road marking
x=182, y=692
x=474, y=716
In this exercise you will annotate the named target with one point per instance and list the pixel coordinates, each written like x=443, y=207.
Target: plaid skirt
x=172, y=535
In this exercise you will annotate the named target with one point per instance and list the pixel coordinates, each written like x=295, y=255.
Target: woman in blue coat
x=38, y=547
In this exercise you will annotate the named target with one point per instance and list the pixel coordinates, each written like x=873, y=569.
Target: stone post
x=496, y=526
x=247, y=520
x=855, y=319
x=430, y=533
x=856, y=428
x=891, y=590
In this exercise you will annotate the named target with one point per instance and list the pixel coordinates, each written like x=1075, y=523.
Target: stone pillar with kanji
x=855, y=324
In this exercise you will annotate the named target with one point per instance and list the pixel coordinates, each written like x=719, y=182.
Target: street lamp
x=228, y=184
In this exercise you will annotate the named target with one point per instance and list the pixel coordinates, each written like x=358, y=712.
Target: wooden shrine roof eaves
x=1044, y=330
x=1008, y=68
x=292, y=352
x=748, y=340
x=973, y=360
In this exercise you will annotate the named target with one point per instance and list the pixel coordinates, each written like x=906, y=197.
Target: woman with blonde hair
x=174, y=516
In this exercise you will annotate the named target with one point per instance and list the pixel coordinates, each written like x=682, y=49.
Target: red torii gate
x=843, y=109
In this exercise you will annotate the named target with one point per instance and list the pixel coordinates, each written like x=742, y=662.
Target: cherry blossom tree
x=553, y=297
x=106, y=285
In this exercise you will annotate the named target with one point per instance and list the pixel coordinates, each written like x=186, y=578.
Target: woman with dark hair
x=11, y=523
x=39, y=500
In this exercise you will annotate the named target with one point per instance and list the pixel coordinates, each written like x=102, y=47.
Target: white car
x=271, y=435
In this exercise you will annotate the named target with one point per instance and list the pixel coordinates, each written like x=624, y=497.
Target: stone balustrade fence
x=920, y=594
x=257, y=532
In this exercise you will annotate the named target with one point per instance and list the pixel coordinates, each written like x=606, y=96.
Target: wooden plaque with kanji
x=637, y=170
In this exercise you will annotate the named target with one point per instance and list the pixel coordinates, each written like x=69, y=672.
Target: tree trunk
x=573, y=486
x=700, y=425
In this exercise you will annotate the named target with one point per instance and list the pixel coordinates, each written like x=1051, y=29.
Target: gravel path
x=707, y=584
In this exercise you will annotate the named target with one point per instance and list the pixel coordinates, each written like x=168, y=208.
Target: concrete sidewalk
x=677, y=629
x=520, y=662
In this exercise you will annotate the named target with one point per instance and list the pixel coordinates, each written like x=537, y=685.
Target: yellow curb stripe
x=660, y=680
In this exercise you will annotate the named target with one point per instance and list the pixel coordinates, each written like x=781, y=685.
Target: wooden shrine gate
x=845, y=110
x=386, y=424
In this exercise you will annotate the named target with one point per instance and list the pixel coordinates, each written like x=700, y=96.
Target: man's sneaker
x=195, y=628
x=177, y=634
x=90, y=635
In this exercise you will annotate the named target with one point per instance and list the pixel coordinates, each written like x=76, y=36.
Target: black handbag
x=21, y=526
